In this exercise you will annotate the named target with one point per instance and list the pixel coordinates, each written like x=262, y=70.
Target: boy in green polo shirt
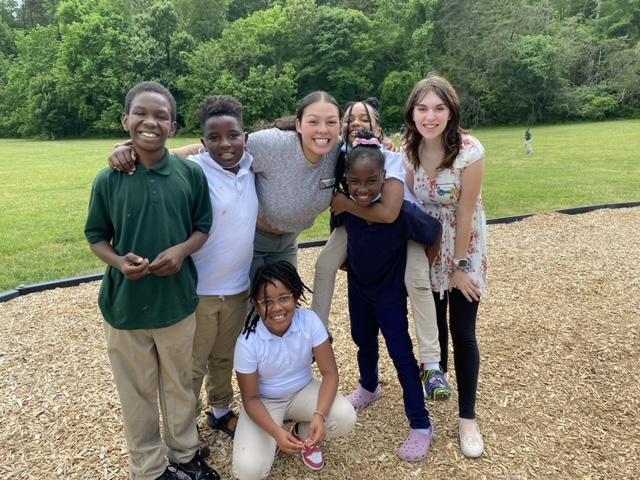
x=145, y=227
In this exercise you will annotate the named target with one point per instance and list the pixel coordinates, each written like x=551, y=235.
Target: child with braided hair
x=377, y=255
x=273, y=363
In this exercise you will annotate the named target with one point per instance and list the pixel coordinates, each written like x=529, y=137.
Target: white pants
x=416, y=278
x=254, y=449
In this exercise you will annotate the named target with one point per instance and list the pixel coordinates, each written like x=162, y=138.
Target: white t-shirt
x=283, y=363
x=224, y=260
x=394, y=166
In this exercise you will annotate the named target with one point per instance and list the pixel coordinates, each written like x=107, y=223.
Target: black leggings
x=466, y=355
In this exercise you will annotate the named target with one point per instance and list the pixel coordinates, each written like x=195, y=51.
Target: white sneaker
x=472, y=445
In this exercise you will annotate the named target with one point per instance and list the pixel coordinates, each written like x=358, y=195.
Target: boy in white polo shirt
x=223, y=262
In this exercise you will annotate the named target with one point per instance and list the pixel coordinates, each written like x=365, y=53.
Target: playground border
x=72, y=282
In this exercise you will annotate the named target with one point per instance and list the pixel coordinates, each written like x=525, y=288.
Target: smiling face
x=359, y=116
x=276, y=306
x=319, y=128
x=225, y=140
x=431, y=115
x=149, y=123
x=364, y=179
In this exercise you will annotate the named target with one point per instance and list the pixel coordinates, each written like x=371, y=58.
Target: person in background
x=528, y=142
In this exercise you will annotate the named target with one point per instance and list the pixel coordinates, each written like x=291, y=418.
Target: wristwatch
x=462, y=264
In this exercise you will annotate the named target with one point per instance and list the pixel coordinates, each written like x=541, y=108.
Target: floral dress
x=439, y=197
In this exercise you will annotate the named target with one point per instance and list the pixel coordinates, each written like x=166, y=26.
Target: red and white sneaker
x=312, y=457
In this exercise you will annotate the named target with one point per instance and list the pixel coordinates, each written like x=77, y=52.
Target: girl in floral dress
x=445, y=172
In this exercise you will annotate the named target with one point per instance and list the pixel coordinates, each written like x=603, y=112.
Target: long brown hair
x=452, y=135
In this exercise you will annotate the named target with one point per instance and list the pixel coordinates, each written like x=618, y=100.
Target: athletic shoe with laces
x=312, y=457
x=435, y=385
x=197, y=469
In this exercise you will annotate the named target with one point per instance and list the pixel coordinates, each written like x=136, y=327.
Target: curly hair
x=218, y=106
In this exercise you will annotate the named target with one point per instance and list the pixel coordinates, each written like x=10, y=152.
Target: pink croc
x=362, y=398
x=416, y=447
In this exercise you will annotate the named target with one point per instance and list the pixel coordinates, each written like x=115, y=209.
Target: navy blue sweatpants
x=367, y=320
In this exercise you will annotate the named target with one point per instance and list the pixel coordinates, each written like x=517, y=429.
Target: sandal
x=226, y=423
x=416, y=447
x=361, y=398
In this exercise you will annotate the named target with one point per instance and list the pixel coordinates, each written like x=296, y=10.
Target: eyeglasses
x=281, y=300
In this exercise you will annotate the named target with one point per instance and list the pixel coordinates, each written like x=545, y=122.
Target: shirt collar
x=245, y=162
x=163, y=167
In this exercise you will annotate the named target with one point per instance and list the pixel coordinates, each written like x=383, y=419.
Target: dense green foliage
x=65, y=65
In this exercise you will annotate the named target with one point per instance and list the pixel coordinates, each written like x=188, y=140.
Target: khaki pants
x=148, y=365
x=416, y=279
x=254, y=449
x=219, y=321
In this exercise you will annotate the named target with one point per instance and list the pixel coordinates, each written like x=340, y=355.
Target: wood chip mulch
x=559, y=389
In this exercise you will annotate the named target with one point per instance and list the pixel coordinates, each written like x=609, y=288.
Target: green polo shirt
x=145, y=214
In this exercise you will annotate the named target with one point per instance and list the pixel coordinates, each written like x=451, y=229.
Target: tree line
x=66, y=65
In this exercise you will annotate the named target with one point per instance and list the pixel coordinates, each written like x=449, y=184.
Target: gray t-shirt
x=292, y=191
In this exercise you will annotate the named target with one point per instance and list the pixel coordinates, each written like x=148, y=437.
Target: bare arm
x=124, y=158
x=250, y=393
x=184, y=152
x=131, y=265
x=326, y=361
x=385, y=211
x=169, y=262
x=470, y=188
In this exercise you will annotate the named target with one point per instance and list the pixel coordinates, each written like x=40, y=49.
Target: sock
x=431, y=366
x=423, y=431
x=220, y=412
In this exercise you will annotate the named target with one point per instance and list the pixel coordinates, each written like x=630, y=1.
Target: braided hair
x=281, y=271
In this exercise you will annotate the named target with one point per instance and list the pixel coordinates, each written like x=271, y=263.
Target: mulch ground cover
x=559, y=385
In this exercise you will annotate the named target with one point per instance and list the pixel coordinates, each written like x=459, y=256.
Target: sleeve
x=470, y=152
x=318, y=330
x=258, y=146
x=420, y=227
x=244, y=357
x=201, y=211
x=99, y=226
x=394, y=167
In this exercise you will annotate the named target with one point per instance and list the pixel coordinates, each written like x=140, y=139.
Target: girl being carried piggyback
x=273, y=363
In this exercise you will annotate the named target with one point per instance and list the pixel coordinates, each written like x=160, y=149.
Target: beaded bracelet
x=324, y=417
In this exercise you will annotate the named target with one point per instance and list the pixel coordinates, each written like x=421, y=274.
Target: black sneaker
x=171, y=473
x=197, y=469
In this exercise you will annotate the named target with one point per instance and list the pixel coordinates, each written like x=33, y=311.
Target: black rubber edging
x=75, y=281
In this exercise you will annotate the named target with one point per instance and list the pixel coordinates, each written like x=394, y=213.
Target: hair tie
x=366, y=141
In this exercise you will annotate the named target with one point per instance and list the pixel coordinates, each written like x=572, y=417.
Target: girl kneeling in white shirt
x=273, y=363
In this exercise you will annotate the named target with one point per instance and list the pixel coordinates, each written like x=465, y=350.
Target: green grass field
x=44, y=188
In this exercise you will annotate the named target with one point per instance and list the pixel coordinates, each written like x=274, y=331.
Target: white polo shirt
x=224, y=261
x=283, y=363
